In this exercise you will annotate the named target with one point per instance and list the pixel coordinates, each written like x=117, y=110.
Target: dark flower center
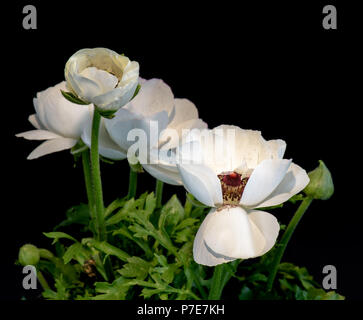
x=232, y=185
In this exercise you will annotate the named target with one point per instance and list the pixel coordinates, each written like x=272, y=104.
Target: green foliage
x=293, y=283
x=115, y=291
x=76, y=215
x=150, y=250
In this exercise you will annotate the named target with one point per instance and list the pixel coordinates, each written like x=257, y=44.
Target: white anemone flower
x=236, y=179
x=161, y=117
x=57, y=121
x=102, y=77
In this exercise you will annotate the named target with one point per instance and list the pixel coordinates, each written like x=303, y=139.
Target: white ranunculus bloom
x=102, y=77
x=236, y=179
x=57, y=121
x=155, y=103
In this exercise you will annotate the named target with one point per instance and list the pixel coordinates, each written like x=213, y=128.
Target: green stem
x=199, y=286
x=96, y=178
x=285, y=240
x=159, y=193
x=86, y=162
x=42, y=281
x=97, y=190
x=216, y=286
x=132, y=184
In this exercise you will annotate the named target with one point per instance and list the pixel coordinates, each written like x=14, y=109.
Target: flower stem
x=216, y=286
x=86, y=162
x=132, y=184
x=222, y=274
x=159, y=193
x=285, y=240
x=42, y=281
x=96, y=178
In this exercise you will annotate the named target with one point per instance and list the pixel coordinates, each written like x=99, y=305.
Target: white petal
x=105, y=80
x=154, y=96
x=231, y=233
x=167, y=176
x=38, y=135
x=277, y=147
x=125, y=121
x=295, y=180
x=51, y=146
x=202, y=182
x=115, y=98
x=175, y=135
x=33, y=119
x=264, y=180
x=59, y=115
x=268, y=226
x=201, y=253
x=184, y=110
x=245, y=146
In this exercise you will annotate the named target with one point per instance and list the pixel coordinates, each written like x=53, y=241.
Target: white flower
x=235, y=179
x=57, y=121
x=102, y=77
x=155, y=103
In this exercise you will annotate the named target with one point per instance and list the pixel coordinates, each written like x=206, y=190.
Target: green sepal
x=73, y=98
x=136, y=91
x=108, y=114
x=136, y=167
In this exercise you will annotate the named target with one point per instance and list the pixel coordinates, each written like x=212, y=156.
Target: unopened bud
x=321, y=183
x=29, y=255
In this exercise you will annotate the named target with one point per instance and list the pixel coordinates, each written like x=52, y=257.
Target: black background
x=258, y=65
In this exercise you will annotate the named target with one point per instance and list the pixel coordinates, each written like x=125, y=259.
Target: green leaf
x=73, y=98
x=258, y=277
x=71, y=252
x=301, y=294
x=195, y=202
x=189, y=222
x=107, y=248
x=147, y=293
x=118, y=203
x=115, y=291
x=142, y=244
x=58, y=235
x=135, y=268
x=171, y=213
x=320, y=294
x=76, y=215
x=129, y=206
x=166, y=270
x=150, y=204
x=139, y=231
x=246, y=294
x=184, y=235
x=61, y=292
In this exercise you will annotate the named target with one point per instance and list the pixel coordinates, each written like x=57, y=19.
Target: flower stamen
x=233, y=186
